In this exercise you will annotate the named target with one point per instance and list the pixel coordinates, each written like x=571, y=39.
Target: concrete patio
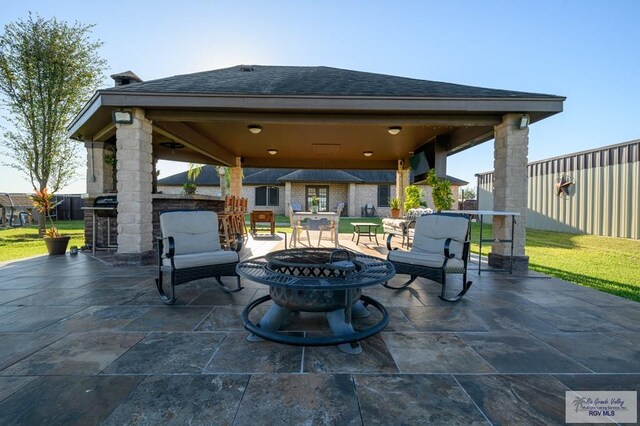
x=86, y=343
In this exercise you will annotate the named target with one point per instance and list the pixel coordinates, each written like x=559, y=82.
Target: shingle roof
x=258, y=176
x=320, y=176
x=312, y=81
x=16, y=200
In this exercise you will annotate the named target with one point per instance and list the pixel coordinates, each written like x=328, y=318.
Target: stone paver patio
x=86, y=343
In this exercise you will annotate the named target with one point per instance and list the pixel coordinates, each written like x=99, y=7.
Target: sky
x=588, y=51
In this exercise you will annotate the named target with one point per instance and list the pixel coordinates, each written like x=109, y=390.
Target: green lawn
x=18, y=243
x=606, y=264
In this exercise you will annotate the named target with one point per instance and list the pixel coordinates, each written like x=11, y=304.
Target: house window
x=322, y=192
x=267, y=196
x=384, y=192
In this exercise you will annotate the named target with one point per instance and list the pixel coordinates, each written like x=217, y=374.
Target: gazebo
x=300, y=117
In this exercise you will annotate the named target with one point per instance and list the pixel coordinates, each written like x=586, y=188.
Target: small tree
x=412, y=197
x=440, y=191
x=48, y=70
x=467, y=193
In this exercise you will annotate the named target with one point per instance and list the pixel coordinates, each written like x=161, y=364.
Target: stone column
x=236, y=179
x=351, y=203
x=287, y=198
x=135, y=168
x=510, y=191
x=99, y=173
x=403, y=175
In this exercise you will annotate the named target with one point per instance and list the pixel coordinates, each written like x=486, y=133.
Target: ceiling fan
x=565, y=186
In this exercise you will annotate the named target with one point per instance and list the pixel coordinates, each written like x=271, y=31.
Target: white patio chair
x=440, y=247
x=189, y=249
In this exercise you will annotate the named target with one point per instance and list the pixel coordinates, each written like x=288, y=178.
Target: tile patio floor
x=85, y=343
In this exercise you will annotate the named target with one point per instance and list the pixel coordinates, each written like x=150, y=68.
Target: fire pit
x=316, y=280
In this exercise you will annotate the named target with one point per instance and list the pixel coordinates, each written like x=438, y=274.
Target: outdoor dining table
x=333, y=216
x=316, y=280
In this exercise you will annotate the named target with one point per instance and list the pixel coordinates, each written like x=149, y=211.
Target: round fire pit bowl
x=316, y=280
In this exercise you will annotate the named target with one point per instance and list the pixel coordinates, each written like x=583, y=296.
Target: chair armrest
x=172, y=247
x=447, y=254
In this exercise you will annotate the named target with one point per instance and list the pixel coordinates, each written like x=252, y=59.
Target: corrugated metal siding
x=606, y=201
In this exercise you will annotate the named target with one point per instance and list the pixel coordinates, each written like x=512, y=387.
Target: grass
x=605, y=264
x=22, y=242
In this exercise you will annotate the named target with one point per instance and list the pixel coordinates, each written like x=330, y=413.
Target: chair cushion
x=416, y=257
x=194, y=260
x=194, y=231
x=432, y=231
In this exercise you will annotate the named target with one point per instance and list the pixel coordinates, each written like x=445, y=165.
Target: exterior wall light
x=171, y=145
x=524, y=121
x=122, y=117
x=255, y=129
x=394, y=130
x=367, y=153
x=272, y=151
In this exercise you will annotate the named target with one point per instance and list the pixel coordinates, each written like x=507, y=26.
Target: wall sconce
x=367, y=153
x=394, y=130
x=221, y=170
x=524, y=121
x=255, y=129
x=171, y=145
x=122, y=117
x=272, y=151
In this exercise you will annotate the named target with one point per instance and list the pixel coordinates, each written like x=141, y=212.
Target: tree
x=440, y=191
x=48, y=70
x=467, y=193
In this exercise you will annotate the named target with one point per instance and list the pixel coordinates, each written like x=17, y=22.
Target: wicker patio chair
x=189, y=249
x=440, y=247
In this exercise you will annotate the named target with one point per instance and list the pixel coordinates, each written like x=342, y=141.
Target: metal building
x=594, y=192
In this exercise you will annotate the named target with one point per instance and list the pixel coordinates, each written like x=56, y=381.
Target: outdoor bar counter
x=161, y=202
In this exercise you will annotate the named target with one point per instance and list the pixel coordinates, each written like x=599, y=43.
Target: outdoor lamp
x=171, y=145
x=367, y=153
x=255, y=129
x=122, y=117
x=524, y=121
x=394, y=130
x=272, y=151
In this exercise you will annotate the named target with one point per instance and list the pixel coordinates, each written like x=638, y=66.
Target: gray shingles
x=312, y=81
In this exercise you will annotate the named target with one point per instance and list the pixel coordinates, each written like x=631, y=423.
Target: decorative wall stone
x=510, y=189
x=134, y=154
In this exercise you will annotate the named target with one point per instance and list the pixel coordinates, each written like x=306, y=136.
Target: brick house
x=274, y=189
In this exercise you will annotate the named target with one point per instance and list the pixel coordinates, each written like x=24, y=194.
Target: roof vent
x=124, y=78
x=246, y=68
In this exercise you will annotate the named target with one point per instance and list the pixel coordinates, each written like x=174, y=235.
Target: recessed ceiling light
x=272, y=151
x=367, y=153
x=255, y=129
x=394, y=130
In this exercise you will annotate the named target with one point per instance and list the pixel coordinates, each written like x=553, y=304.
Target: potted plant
x=440, y=191
x=394, y=204
x=314, y=204
x=189, y=188
x=44, y=202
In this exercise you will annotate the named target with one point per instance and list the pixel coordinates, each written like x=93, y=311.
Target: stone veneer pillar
x=236, y=179
x=99, y=173
x=135, y=168
x=287, y=198
x=351, y=203
x=402, y=181
x=510, y=191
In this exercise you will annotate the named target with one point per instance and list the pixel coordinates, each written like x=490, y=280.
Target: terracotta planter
x=395, y=213
x=57, y=245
